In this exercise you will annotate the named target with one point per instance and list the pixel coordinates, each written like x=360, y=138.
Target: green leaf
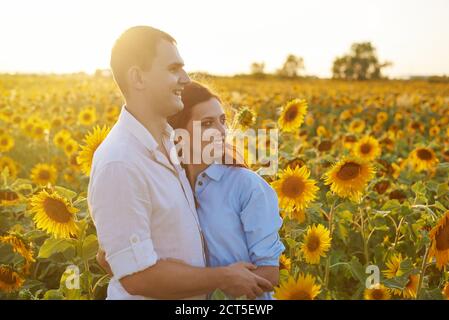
x=52, y=246
x=357, y=270
x=419, y=188
x=53, y=295
x=66, y=193
x=442, y=189
x=391, y=205
x=90, y=247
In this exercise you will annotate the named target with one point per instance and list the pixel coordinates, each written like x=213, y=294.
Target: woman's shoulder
x=248, y=180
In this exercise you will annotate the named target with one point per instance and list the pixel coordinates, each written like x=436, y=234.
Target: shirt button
x=200, y=183
x=203, y=175
x=134, y=239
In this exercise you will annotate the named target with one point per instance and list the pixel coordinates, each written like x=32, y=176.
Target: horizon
x=407, y=33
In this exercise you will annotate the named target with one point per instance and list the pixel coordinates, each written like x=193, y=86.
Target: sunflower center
x=86, y=116
x=291, y=113
x=293, y=187
x=38, y=131
x=6, y=276
x=4, y=142
x=424, y=154
x=57, y=210
x=442, y=238
x=44, y=174
x=349, y=171
x=377, y=294
x=8, y=195
x=313, y=243
x=301, y=295
x=365, y=148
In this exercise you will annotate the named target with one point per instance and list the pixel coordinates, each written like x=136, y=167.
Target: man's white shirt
x=142, y=205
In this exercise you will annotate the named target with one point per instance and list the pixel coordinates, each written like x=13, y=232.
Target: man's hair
x=135, y=47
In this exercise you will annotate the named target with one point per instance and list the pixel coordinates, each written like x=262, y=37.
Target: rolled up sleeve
x=120, y=207
x=261, y=223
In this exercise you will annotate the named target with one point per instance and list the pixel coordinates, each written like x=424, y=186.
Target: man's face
x=165, y=80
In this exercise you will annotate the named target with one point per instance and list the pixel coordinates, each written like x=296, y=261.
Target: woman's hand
x=101, y=259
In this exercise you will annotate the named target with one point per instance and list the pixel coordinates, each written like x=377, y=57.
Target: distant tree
x=292, y=66
x=361, y=63
x=258, y=69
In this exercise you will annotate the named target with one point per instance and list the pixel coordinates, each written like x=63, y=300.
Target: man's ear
x=135, y=78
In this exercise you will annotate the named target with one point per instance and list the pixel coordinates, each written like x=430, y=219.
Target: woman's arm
x=271, y=273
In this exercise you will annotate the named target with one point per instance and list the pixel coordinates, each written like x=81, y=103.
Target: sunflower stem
x=422, y=272
x=328, y=260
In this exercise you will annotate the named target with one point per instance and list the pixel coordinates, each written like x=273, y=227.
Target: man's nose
x=185, y=79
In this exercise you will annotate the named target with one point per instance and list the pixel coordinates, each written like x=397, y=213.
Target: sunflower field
x=363, y=183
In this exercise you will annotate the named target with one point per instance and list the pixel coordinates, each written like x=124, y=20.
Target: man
x=141, y=203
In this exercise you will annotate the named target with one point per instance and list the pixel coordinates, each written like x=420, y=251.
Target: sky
x=225, y=37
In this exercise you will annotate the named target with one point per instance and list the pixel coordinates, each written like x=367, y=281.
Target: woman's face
x=208, y=123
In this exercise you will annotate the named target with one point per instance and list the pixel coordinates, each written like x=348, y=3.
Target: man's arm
x=193, y=280
x=172, y=280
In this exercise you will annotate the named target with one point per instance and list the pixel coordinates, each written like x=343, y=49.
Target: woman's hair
x=193, y=94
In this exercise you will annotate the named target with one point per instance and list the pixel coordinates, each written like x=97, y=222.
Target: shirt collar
x=215, y=171
x=130, y=123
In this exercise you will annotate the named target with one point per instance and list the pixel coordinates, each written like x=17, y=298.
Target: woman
x=237, y=209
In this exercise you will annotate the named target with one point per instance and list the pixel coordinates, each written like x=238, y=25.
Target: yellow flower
x=43, y=173
x=54, y=214
x=394, y=267
x=10, y=164
x=19, y=246
x=379, y=292
x=411, y=288
x=317, y=242
x=91, y=143
x=292, y=115
x=349, y=177
x=246, y=117
x=439, y=247
x=8, y=197
x=423, y=159
x=304, y=288
x=367, y=148
x=295, y=189
x=87, y=116
x=285, y=263
x=61, y=137
x=70, y=147
x=357, y=126
x=6, y=143
x=9, y=279
x=381, y=117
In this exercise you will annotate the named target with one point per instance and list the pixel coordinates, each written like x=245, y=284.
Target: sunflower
x=295, y=189
x=317, y=242
x=9, y=279
x=439, y=247
x=378, y=292
x=70, y=147
x=87, y=116
x=304, y=288
x=367, y=148
x=381, y=117
x=6, y=143
x=8, y=197
x=298, y=215
x=411, y=288
x=39, y=131
x=245, y=117
x=357, y=126
x=43, y=173
x=349, y=176
x=423, y=159
x=61, y=137
x=393, y=267
x=91, y=143
x=7, y=162
x=21, y=247
x=285, y=263
x=54, y=214
x=292, y=115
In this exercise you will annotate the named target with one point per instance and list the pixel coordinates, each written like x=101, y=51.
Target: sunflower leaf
x=52, y=246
